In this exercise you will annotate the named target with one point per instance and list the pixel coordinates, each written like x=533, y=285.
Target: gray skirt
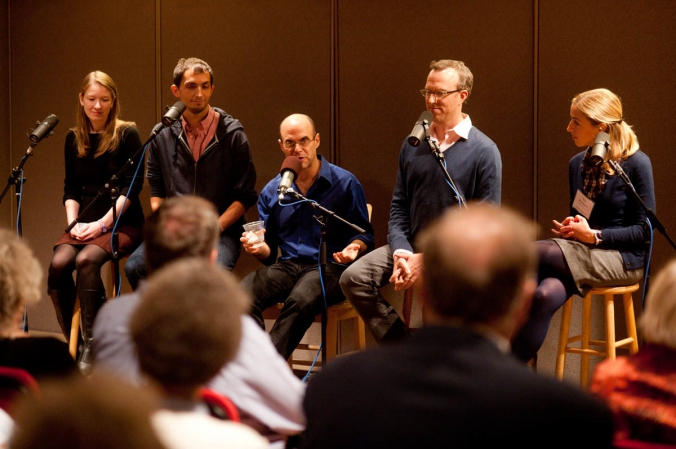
x=594, y=267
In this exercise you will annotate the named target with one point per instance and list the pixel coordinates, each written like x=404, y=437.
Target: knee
x=55, y=270
x=348, y=280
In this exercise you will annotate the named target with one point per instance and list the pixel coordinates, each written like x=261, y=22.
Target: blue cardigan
x=617, y=213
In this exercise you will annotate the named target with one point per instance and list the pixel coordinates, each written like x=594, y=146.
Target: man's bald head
x=477, y=261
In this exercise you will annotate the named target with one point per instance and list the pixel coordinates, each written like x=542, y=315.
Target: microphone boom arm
x=440, y=158
x=649, y=212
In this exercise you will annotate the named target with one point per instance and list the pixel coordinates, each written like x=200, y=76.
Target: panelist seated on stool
x=293, y=227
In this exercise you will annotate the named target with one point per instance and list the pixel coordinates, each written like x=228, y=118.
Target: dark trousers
x=299, y=287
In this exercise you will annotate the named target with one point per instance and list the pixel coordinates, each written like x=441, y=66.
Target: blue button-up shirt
x=292, y=227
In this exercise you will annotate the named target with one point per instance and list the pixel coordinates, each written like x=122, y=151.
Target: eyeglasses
x=304, y=143
x=438, y=94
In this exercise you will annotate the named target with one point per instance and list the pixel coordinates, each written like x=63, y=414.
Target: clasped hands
x=407, y=269
x=86, y=231
x=574, y=228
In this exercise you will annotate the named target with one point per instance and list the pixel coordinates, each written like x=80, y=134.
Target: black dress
x=86, y=176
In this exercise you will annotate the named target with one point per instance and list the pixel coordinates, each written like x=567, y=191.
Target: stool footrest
x=585, y=351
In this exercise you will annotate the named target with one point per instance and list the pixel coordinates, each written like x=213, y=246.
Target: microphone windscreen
x=426, y=115
x=291, y=163
x=51, y=121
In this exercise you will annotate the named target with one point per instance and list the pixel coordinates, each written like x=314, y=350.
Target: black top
x=85, y=176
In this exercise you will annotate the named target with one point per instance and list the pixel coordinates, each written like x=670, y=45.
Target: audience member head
x=603, y=109
x=183, y=226
x=20, y=279
x=101, y=412
x=479, y=267
x=187, y=325
x=658, y=321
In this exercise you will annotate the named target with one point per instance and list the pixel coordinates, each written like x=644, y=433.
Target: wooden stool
x=335, y=315
x=610, y=344
x=407, y=306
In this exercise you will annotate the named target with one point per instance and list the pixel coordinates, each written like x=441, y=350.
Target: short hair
x=20, y=277
x=603, y=106
x=183, y=226
x=476, y=261
x=658, y=321
x=75, y=413
x=188, y=324
x=465, y=77
x=195, y=64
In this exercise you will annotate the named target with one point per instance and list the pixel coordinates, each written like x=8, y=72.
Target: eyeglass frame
x=299, y=143
x=443, y=93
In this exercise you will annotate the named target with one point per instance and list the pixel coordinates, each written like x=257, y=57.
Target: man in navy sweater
x=422, y=192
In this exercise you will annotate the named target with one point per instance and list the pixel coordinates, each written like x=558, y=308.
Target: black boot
x=64, y=302
x=90, y=303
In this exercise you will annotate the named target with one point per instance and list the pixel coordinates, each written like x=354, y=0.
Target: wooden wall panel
x=53, y=46
x=270, y=59
x=628, y=50
x=5, y=142
x=384, y=56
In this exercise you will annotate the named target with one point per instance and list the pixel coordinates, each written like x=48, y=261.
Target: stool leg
x=630, y=319
x=74, y=329
x=609, y=302
x=359, y=333
x=563, y=338
x=586, y=330
x=331, y=335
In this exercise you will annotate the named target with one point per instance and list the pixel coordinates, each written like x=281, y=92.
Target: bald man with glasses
x=472, y=170
x=293, y=230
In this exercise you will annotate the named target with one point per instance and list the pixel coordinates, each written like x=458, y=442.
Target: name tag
x=583, y=204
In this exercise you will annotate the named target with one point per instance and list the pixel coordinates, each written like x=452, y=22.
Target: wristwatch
x=104, y=229
x=597, y=237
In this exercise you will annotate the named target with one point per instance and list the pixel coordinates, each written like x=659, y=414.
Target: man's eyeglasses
x=304, y=143
x=438, y=94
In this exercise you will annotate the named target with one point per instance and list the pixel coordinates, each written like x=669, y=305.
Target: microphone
x=173, y=113
x=599, y=150
x=418, y=132
x=44, y=129
x=156, y=130
x=290, y=168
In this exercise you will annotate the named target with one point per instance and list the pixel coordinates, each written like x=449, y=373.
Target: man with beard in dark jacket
x=204, y=154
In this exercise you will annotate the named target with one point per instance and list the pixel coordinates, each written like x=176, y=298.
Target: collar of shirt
x=324, y=173
x=199, y=139
x=454, y=134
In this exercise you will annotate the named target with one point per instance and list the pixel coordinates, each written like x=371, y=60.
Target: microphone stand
x=18, y=182
x=113, y=191
x=322, y=220
x=440, y=158
x=649, y=212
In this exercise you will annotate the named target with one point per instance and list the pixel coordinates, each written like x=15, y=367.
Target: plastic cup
x=254, y=232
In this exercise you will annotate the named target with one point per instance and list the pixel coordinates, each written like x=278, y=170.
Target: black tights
x=555, y=286
x=87, y=260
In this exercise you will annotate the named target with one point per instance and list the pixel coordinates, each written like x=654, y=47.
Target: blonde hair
x=112, y=132
x=20, y=277
x=658, y=321
x=601, y=106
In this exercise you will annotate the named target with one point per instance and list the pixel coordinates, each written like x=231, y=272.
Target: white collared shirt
x=454, y=134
